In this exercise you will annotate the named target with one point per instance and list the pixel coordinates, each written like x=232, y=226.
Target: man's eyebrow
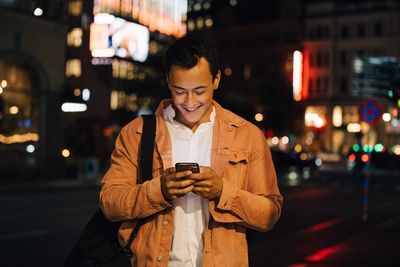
x=182, y=88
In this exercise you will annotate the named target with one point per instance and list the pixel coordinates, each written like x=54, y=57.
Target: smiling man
x=193, y=219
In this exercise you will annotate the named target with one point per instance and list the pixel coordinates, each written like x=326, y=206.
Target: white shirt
x=191, y=212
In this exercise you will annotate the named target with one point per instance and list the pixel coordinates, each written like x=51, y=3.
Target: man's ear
x=217, y=80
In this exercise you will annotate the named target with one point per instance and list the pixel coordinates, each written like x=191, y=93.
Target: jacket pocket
x=237, y=167
x=140, y=241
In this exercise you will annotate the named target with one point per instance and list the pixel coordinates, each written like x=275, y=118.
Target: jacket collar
x=224, y=115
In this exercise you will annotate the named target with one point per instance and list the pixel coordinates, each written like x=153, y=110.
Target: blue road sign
x=370, y=111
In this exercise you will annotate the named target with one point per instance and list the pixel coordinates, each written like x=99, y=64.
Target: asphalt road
x=320, y=225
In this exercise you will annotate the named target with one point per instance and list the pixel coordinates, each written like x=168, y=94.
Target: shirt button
x=159, y=258
x=165, y=223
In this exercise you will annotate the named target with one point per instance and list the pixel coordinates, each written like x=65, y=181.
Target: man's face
x=192, y=92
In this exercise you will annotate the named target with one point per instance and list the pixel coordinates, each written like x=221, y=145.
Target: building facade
x=31, y=79
x=114, y=72
x=336, y=34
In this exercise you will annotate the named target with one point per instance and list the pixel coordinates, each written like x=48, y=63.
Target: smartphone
x=187, y=166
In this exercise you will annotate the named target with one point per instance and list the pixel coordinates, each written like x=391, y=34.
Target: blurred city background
x=320, y=78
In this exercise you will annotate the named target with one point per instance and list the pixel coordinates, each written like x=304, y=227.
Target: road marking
x=23, y=235
x=308, y=230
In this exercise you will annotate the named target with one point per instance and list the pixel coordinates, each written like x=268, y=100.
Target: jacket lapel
x=223, y=135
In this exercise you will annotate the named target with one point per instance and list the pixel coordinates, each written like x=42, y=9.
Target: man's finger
x=182, y=183
x=182, y=191
x=199, y=176
x=179, y=175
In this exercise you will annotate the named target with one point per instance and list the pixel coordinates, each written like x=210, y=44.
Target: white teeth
x=191, y=109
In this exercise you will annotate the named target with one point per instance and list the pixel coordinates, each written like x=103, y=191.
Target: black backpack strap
x=146, y=163
x=147, y=146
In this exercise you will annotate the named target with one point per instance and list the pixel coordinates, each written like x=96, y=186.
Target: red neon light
x=352, y=157
x=364, y=158
x=306, y=75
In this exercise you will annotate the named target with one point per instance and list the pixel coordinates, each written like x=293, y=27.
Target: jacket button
x=159, y=258
x=165, y=223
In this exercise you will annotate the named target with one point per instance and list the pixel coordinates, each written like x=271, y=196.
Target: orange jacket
x=250, y=196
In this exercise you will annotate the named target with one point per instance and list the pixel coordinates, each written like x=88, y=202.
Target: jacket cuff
x=155, y=195
x=228, y=194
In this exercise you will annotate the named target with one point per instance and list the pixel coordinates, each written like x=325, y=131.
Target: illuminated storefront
x=31, y=78
x=19, y=117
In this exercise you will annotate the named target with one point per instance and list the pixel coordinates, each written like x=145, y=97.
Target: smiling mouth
x=191, y=109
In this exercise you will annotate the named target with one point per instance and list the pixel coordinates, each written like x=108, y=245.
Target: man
x=193, y=219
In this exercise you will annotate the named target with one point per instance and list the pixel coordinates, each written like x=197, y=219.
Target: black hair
x=187, y=51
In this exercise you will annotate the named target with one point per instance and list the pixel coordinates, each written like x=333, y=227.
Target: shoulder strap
x=146, y=163
x=147, y=146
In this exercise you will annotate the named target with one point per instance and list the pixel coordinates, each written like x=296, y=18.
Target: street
x=39, y=229
x=321, y=225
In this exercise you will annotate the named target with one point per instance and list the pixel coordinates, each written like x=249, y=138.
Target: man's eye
x=179, y=92
x=199, y=92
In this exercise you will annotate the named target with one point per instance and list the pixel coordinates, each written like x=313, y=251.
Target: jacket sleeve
x=120, y=197
x=258, y=206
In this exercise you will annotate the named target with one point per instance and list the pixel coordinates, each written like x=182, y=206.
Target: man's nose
x=190, y=99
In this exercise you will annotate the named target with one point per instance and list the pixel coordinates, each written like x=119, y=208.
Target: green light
x=356, y=147
x=368, y=148
x=398, y=102
x=390, y=93
x=365, y=148
x=378, y=148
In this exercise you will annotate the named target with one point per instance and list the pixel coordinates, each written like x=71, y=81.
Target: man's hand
x=207, y=183
x=176, y=184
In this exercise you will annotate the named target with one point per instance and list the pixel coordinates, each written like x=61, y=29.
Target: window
x=319, y=33
x=327, y=32
x=75, y=8
x=191, y=25
x=326, y=84
x=20, y=113
x=73, y=68
x=318, y=87
x=200, y=23
x=124, y=70
x=344, y=85
x=360, y=52
x=360, y=30
x=74, y=37
x=312, y=63
x=311, y=34
x=319, y=59
x=343, y=58
x=344, y=32
x=247, y=71
x=378, y=28
x=124, y=100
x=209, y=22
x=327, y=61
